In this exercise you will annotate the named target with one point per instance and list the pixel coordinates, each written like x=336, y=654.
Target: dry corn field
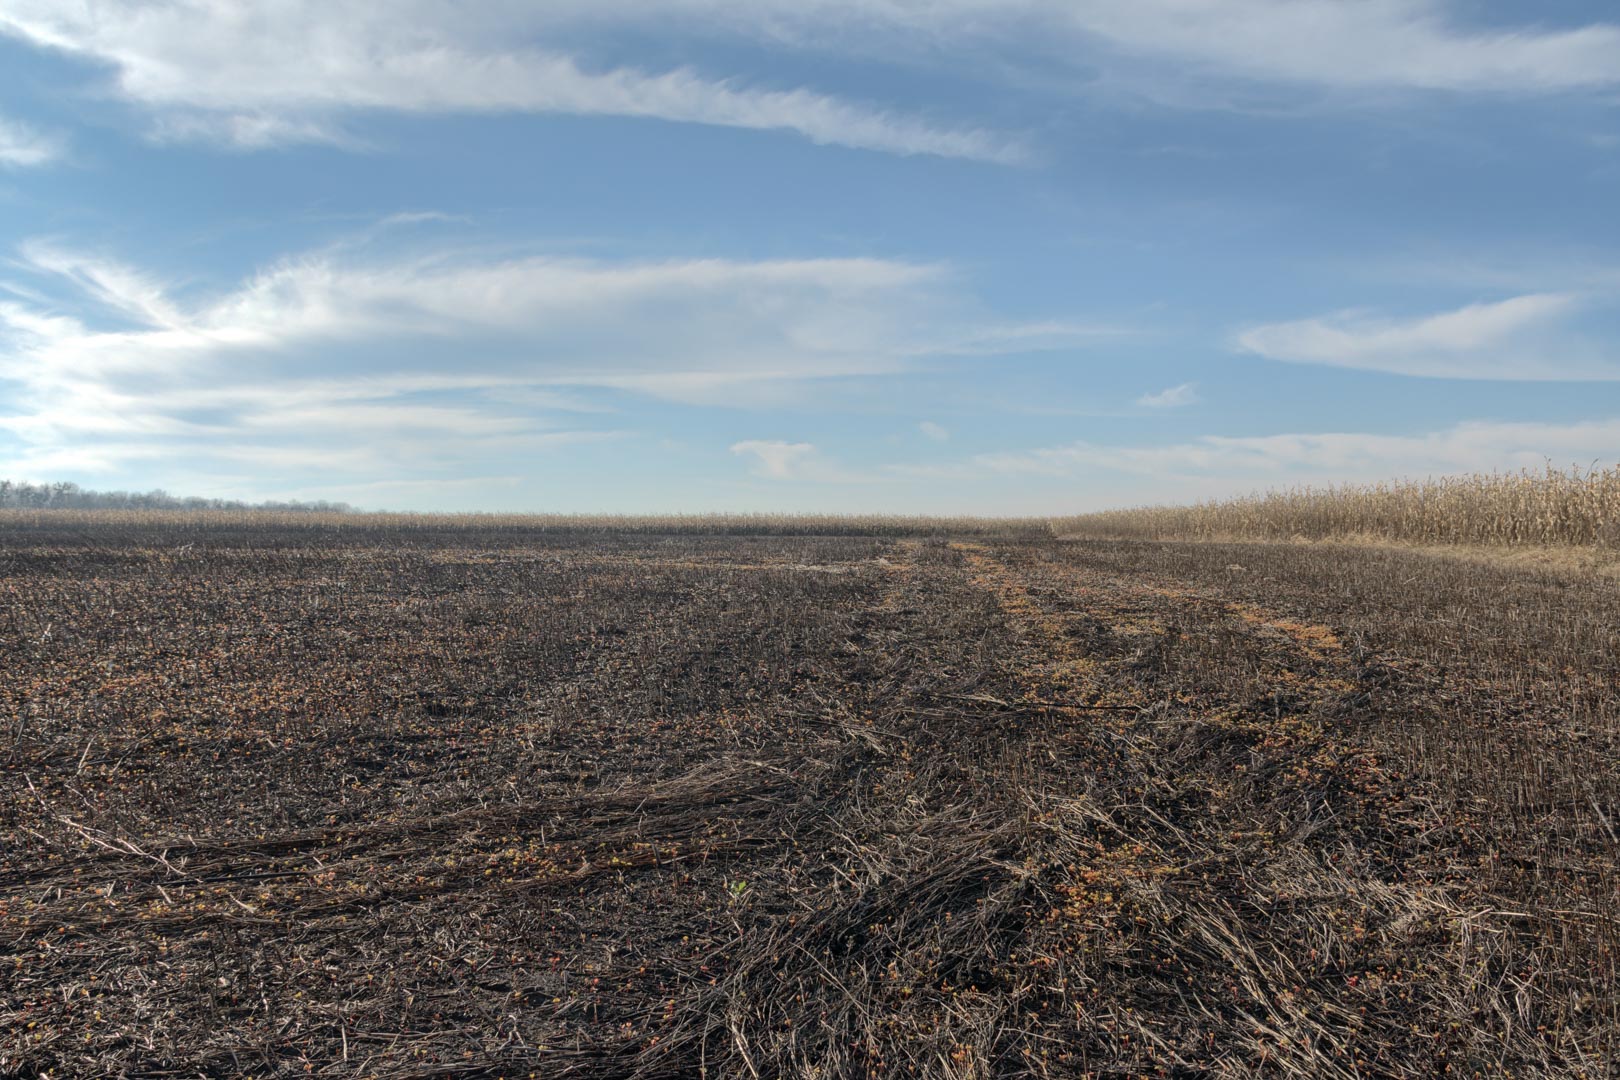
x=1579, y=508
x=423, y=798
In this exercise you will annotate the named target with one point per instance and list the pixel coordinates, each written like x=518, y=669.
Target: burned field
x=464, y=801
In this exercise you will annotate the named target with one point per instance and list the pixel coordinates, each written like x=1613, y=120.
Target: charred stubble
x=464, y=804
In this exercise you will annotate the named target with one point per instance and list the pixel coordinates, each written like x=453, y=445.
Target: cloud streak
x=775, y=459
x=1339, y=44
x=264, y=74
x=1522, y=338
x=1401, y=44
x=257, y=74
x=21, y=147
x=142, y=370
x=1173, y=398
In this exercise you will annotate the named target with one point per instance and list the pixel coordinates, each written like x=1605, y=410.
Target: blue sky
x=993, y=256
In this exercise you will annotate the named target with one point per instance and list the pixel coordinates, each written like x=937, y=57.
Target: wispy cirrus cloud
x=1171, y=398
x=1521, y=338
x=1400, y=44
x=802, y=463
x=137, y=372
x=21, y=147
x=255, y=74
x=777, y=459
x=717, y=314
x=109, y=363
x=1344, y=44
x=258, y=74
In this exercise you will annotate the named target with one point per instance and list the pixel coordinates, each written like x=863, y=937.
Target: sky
x=908, y=256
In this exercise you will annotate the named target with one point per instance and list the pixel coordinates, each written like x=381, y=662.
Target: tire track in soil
x=1224, y=901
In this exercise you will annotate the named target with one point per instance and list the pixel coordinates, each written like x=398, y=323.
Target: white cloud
x=22, y=147
x=259, y=74
x=1400, y=44
x=422, y=217
x=256, y=73
x=108, y=363
x=936, y=432
x=1173, y=398
x=1520, y=338
x=1420, y=44
x=561, y=318
x=252, y=130
x=776, y=459
x=803, y=463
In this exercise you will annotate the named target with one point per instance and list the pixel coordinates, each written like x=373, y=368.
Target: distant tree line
x=64, y=495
